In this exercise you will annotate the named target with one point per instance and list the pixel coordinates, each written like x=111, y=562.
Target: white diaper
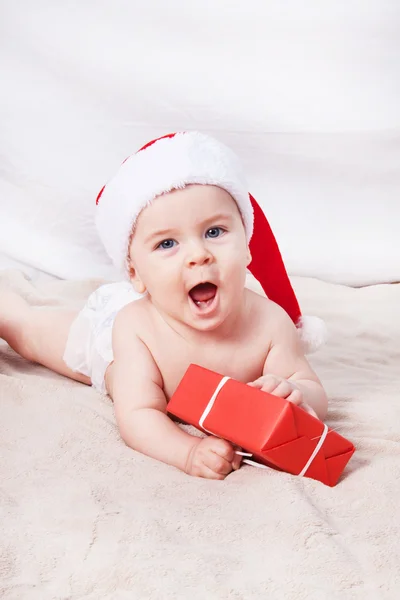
x=89, y=345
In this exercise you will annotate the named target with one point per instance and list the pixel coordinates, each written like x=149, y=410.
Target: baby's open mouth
x=203, y=294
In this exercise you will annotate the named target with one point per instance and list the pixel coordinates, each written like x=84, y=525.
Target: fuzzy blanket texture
x=84, y=517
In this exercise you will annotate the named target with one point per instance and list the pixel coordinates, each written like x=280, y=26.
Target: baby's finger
x=269, y=384
x=283, y=389
x=217, y=463
x=208, y=473
x=257, y=383
x=237, y=461
x=296, y=397
x=223, y=449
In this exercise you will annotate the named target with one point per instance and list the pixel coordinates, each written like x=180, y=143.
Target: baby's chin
x=211, y=325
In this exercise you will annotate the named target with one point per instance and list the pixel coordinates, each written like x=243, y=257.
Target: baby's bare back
x=239, y=353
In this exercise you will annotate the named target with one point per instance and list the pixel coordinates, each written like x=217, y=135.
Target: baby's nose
x=198, y=255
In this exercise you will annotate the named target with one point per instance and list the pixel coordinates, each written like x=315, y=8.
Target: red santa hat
x=180, y=159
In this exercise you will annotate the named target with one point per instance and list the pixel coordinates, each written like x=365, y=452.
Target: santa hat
x=180, y=159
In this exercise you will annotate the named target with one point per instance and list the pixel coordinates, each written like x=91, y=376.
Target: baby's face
x=189, y=252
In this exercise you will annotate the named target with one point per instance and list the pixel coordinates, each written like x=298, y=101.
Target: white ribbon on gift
x=208, y=408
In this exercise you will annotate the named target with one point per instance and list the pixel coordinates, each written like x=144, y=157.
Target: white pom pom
x=313, y=333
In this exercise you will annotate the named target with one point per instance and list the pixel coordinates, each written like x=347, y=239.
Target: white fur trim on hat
x=313, y=333
x=168, y=164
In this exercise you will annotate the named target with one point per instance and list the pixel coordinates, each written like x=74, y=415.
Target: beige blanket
x=84, y=517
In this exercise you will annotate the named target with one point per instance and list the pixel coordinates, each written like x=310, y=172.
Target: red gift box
x=274, y=431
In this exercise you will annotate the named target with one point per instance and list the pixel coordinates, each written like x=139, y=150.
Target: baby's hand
x=212, y=458
x=283, y=388
x=278, y=387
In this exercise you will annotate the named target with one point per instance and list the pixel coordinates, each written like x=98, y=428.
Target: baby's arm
x=286, y=371
x=141, y=412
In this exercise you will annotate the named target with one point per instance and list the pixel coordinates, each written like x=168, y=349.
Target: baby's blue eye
x=214, y=232
x=167, y=244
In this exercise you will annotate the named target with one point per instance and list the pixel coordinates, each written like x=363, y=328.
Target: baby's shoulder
x=131, y=321
x=263, y=310
x=130, y=316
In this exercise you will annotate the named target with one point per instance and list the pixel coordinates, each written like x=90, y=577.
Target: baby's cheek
x=236, y=272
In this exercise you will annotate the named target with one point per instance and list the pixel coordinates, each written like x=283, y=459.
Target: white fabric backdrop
x=307, y=93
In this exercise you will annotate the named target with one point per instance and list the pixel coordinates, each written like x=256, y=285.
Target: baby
x=177, y=220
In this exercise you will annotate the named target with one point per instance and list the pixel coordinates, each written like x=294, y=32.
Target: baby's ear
x=137, y=283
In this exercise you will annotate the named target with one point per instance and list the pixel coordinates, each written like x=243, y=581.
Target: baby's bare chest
x=242, y=360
